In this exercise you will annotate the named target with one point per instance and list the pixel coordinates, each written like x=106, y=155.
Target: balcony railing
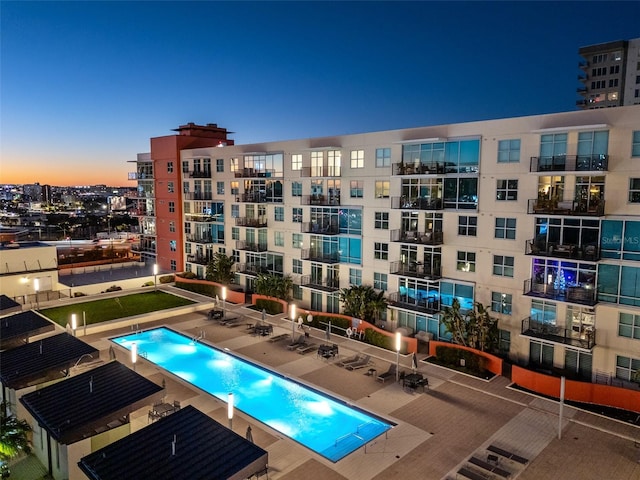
x=431, y=168
x=421, y=238
x=322, y=257
x=141, y=212
x=252, y=222
x=326, y=284
x=323, y=200
x=570, y=163
x=250, y=269
x=200, y=174
x=422, y=304
x=199, y=259
x=198, y=196
x=581, y=337
x=415, y=269
x=320, y=172
x=590, y=253
x=417, y=203
x=254, y=173
x=251, y=247
x=256, y=197
x=200, y=238
x=582, y=294
x=582, y=208
x=319, y=229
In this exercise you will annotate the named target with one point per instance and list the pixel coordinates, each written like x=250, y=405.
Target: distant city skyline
x=86, y=84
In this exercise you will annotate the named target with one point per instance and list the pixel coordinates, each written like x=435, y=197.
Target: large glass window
x=543, y=311
x=444, y=157
x=634, y=190
x=383, y=157
x=509, y=151
x=296, y=240
x=592, y=144
x=350, y=250
x=355, y=276
x=382, y=220
x=380, y=281
x=507, y=190
x=627, y=368
x=620, y=239
x=503, y=266
x=505, y=228
x=501, y=302
x=467, y=226
x=356, y=189
x=461, y=193
x=466, y=262
x=382, y=189
x=350, y=221
x=296, y=161
x=381, y=251
x=357, y=158
x=278, y=214
x=635, y=144
x=629, y=325
x=296, y=189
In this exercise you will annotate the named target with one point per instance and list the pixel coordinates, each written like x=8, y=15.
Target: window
x=220, y=188
x=278, y=214
x=170, y=187
x=235, y=233
x=278, y=239
x=504, y=341
x=174, y=266
x=503, y=266
x=185, y=166
x=541, y=354
x=235, y=187
x=296, y=240
x=505, y=228
x=172, y=207
x=356, y=188
x=380, y=281
x=613, y=82
x=383, y=157
x=169, y=167
x=627, y=368
x=185, y=187
x=219, y=165
x=382, y=221
x=187, y=229
x=296, y=189
x=634, y=190
x=355, y=276
x=635, y=144
x=467, y=226
x=173, y=245
x=629, y=325
x=501, y=302
x=297, y=214
x=296, y=161
x=357, y=158
x=381, y=251
x=235, y=211
x=507, y=190
x=382, y=188
x=172, y=226
x=509, y=151
x=297, y=266
x=466, y=262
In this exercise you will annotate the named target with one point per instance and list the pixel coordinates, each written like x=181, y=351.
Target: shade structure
x=249, y=434
x=414, y=361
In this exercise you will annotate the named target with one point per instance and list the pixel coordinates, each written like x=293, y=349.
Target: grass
x=98, y=311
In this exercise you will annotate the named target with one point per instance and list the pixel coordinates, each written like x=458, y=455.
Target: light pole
x=134, y=355
x=398, y=346
x=292, y=313
x=224, y=303
x=36, y=287
x=155, y=276
x=230, y=410
x=74, y=323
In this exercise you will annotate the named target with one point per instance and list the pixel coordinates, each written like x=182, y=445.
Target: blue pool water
x=324, y=424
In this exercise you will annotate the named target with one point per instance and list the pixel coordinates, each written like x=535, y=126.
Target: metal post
x=398, y=346
x=224, y=303
x=293, y=321
x=36, y=287
x=562, y=379
x=230, y=410
x=155, y=276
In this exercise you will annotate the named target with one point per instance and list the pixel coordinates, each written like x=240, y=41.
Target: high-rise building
x=537, y=217
x=610, y=74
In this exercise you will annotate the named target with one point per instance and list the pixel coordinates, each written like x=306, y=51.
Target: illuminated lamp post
x=74, y=323
x=292, y=314
x=134, y=355
x=224, y=303
x=398, y=346
x=155, y=276
x=230, y=410
x=36, y=287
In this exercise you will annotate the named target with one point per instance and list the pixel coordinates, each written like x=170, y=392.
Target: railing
x=324, y=200
x=141, y=212
x=250, y=269
x=582, y=208
x=320, y=172
x=191, y=217
x=198, y=196
x=422, y=304
x=431, y=168
x=422, y=238
x=583, y=337
x=253, y=173
x=252, y=198
x=327, y=284
x=570, y=163
x=200, y=174
x=200, y=238
x=251, y=247
x=582, y=294
x=315, y=227
x=415, y=269
x=309, y=254
x=199, y=259
x=589, y=252
x=252, y=222
x=417, y=203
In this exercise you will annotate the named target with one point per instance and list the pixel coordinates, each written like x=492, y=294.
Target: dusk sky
x=84, y=85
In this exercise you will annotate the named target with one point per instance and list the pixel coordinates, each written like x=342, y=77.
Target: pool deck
x=437, y=431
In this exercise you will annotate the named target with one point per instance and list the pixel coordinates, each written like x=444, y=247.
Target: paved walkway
x=437, y=432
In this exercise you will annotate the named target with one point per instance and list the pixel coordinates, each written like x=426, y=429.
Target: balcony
x=417, y=203
x=322, y=200
x=420, y=238
x=251, y=247
x=251, y=222
x=415, y=269
x=250, y=269
x=199, y=259
x=200, y=238
x=581, y=294
x=569, y=163
x=326, y=284
x=582, y=208
x=319, y=229
x=200, y=174
x=198, y=196
x=590, y=253
x=254, y=173
x=143, y=212
x=322, y=257
x=422, y=304
x=253, y=197
x=581, y=337
x=436, y=168
x=320, y=172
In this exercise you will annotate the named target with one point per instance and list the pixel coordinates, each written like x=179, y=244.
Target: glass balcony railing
x=570, y=163
x=582, y=294
x=578, y=336
x=420, y=238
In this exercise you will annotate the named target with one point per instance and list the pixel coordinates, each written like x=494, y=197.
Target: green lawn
x=111, y=308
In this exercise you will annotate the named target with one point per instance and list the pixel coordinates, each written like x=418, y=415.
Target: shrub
x=270, y=306
x=113, y=288
x=148, y=284
x=189, y=275
x=79, y=294
x=167, y=279
x=451, y=357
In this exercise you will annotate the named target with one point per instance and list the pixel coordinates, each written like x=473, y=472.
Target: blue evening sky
x=86, y=84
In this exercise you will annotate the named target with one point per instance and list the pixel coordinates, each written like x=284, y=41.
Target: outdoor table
x=328, y=350
x=263, y=330
x=412, y=380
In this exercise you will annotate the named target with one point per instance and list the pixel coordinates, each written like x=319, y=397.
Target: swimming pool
x=322, y=423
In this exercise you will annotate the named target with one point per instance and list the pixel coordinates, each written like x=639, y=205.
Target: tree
x=273, y=285
x=455, y=323
x=475, y=328
x=13, y=434
x=363, y=302
x=220, y=269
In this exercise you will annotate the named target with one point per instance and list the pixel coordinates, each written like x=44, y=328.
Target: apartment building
x=610, y=74
x=537, y=217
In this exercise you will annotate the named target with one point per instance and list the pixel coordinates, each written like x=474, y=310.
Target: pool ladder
x=198, y=337
x=355, y=434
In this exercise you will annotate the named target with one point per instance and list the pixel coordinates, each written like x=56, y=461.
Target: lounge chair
x=277, y=338
x=297, y=343
x=306, y=348
x=234, y=322
x=347, y=361
x=391, y=373
x=360, y=364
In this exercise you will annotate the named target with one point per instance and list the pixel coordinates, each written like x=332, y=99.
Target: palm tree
x=455, y=323
x=363, y=302
x=220, y=269
x=485, y=327
x=273, y=285
x=13, y=434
